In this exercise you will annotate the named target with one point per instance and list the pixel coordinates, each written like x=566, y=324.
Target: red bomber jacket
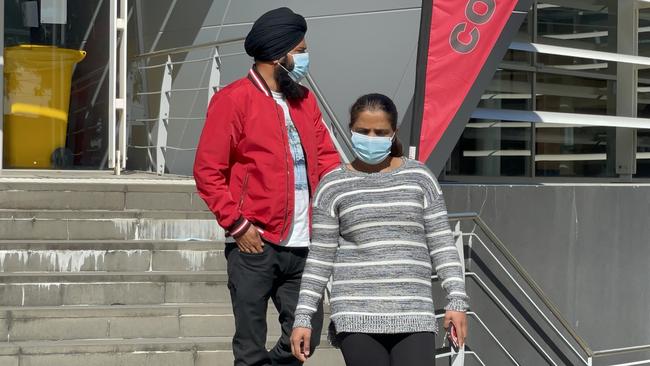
x=244, y=167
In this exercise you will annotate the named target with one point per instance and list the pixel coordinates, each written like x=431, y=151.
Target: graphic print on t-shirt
x=299, y=232
x=300, y=169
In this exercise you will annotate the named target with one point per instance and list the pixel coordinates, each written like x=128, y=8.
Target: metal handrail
x=485, y=327
x=534, y=304
x=185, y=49
x=534, y=286
x=510, y=258
x=496, y=340
x=330, y=113
x=185, y=62
x=479, y=281
x=620, y=351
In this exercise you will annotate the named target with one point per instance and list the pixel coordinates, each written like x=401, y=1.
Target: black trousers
x=404, y=349
x=253, y=279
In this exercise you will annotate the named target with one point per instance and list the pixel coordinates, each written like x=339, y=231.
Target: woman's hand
x=300, y=339
x=459, y=319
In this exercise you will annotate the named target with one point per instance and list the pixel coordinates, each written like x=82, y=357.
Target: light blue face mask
x=372, y=149
x=300, y=66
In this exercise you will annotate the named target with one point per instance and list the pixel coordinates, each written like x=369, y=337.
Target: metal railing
x=157, y=134
x=338, y=133
x=567, y=334
x=186, y=49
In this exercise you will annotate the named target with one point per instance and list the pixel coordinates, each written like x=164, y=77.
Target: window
x=540, y=83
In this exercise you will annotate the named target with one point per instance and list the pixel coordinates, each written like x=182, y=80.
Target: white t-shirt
x=299, y=232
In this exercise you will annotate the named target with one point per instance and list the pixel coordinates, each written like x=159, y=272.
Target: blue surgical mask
x=300, y=66
x=372, y=149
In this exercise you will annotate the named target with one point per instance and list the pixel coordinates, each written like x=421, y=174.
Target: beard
x=289, y=88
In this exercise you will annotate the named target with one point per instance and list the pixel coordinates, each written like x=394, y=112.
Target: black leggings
x=404, y=349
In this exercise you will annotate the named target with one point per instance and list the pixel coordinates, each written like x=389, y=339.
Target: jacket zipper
x=243, y=190
x=285, y=137
x=309, y=186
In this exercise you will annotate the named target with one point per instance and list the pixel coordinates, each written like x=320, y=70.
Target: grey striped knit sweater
x=381, y=236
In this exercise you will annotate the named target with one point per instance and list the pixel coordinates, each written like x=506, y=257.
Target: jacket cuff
x=239, y=227
x=302, y=321
x=456, y=304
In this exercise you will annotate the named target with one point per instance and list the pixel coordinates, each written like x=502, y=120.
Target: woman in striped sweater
x=380, y=229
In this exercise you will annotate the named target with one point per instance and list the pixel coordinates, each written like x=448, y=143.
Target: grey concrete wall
x=356, y=47
x=586, y=245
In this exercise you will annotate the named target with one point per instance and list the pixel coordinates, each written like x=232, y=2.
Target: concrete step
x=90, y=195
x=109, y=225
x=123, y=322
x=194, y=351
x=96, y=288
x=111, y=256
x=103, y=214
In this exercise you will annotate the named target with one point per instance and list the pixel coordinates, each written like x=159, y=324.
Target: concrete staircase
x=114, y=272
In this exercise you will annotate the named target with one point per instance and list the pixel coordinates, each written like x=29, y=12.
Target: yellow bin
x=37, y=99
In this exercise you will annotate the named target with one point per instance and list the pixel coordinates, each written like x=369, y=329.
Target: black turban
x=274, y=34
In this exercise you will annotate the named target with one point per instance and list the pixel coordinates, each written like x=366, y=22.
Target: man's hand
x=250, y=242
x=459, y=319
x=300, y=339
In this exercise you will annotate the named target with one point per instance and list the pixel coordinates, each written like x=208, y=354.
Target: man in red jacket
x=262, y=152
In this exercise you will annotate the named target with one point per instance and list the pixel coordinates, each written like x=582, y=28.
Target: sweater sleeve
x=319, y=266
x=444, y=254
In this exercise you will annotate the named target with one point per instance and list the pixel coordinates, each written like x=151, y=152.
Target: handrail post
x=112, y=83
x=122, y=80
x=117, y=83
x=460, y=245
x=470, y=249
x=160, y=128
x=215, y=74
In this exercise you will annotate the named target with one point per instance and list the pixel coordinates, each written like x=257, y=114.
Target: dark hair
x=378, y=102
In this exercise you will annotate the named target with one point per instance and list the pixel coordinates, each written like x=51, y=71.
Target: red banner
x=463, y=33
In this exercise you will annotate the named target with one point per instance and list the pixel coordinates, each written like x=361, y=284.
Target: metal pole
x=123, y=39
x=160, y=128
x=533, y=93
x=2, y=87
x=335, y=122
x=420, y=78
x=627, y=41
x=112, y=82
x=620, y=351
